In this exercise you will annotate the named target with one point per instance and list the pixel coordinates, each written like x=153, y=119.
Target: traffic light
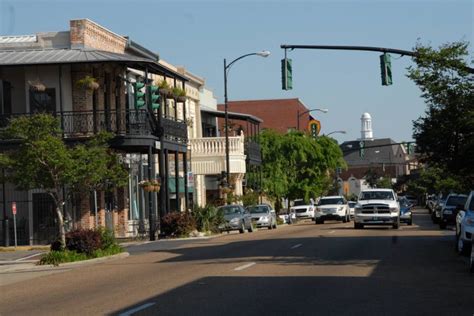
x=314, y=127
x=361, y=149
x=286, y=74
x=138, y=94
x=386, y=69
x=153, y=96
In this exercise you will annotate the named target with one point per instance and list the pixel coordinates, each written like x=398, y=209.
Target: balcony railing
x=77, y=124
x=215, y=146
x=253, y=152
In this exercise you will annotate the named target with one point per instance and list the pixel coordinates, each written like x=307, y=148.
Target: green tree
x=445, y=134
x=43, y=161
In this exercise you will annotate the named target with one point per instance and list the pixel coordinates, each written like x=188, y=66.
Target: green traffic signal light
x=138, y=94
x=386, y=69
x=286, y=74
x=154, y=97
x=361, y=149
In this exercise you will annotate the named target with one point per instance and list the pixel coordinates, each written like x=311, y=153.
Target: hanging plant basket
x=181, y=99
x=179, y=94
x=88, y=82
x=152, y=185
x=36, y=86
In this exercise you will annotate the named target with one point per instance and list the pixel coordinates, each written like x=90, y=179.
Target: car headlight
x=393, y=210
x=234, y=220
x=340, y=208
x=470, y=221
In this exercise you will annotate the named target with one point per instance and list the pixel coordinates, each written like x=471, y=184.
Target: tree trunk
x=62, y=232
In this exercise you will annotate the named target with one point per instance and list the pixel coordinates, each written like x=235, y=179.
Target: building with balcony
x=40, y=74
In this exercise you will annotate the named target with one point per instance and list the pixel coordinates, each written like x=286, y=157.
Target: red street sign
x=14, y=208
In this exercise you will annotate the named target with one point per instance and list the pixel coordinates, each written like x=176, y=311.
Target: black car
x=450, y=209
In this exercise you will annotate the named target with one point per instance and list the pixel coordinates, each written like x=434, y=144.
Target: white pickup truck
x=302, y=210
x=377, y=207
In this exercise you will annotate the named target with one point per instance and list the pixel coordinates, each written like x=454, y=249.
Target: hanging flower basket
x=152, y=185
x=88, y=82
x=179, y=94
x=165, y=89
x=36, y=85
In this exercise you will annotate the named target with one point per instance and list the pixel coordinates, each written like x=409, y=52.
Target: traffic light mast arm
x=360, y=48
x=377, y=146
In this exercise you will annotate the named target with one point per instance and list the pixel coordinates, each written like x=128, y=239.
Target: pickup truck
x=302, y=209
x=377, y=207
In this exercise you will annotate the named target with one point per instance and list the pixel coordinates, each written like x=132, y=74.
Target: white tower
x=366, y=127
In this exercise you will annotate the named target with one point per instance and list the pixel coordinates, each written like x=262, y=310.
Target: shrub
x=207, y=218
x=280, y=221
x=57, y=257
x=84, y=241
x=107, y=238
x=178, y=224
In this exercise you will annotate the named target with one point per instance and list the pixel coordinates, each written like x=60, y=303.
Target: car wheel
x=442, y=225
x=242, y=228
x=344, y=219
x=270, y=226
x=275, y=226
x=358, y=226
x=396, y=225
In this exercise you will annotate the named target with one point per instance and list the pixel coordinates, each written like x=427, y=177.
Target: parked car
x=332, y=207
x=412, y=199
x=302, y=209
x=263, y=215
x=406, y=215
x=448, y=213
x=438, y=206
x=465, y=226
x=377, y=207
x=351, y=205
x=430, y=203
x=288, y=216
x=236, y=218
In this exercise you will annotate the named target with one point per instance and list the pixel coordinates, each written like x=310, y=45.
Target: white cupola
x=366, y=127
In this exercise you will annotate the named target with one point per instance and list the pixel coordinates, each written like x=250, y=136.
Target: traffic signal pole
x=360, y=48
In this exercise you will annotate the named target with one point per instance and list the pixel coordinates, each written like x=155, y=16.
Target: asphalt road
x=302, y=269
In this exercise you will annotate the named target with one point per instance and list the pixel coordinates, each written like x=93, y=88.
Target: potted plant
x=179, y=94
x=88, y=82
x=36, y=85
x=164, y=88
x=152, y=185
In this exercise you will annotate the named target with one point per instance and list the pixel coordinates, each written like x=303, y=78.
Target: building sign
x=190, y=180
x=314, y=127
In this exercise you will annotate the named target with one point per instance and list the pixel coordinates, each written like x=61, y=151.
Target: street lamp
x=263, y=53
x=335, y=132
x=298, y=115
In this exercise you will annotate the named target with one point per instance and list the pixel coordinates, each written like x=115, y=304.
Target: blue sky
x=200, y=34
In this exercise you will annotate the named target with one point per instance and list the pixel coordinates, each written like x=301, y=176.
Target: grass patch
x=23, y=248
x=64, y=256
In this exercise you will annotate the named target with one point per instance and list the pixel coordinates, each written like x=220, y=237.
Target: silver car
x=263, y=216
x=236, y=218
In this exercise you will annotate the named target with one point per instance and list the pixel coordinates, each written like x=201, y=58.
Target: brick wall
x=85, y=33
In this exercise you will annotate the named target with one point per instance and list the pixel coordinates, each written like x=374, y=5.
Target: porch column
x=167, y=168
x=176, y=176
x=151, y=217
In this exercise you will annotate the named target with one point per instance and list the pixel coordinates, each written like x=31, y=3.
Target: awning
x=172, y=185
x=232, y=115
x=76, y=56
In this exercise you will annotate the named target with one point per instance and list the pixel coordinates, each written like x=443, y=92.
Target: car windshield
x=299, y=202
x=456, y=200
x=229, y=210
x=376, y=195
x=258, y=209
x=404, y=203
x=331, y=201
x=471, y=205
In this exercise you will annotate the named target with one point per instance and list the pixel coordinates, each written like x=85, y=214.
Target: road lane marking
x=136, y=309
x=24, y=258
x=245, y=266
x=296, y=246
x=332, y=232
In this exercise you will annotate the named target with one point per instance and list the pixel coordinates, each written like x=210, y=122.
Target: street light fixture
x=335, y=132
x=298, y=115
x=263, y=53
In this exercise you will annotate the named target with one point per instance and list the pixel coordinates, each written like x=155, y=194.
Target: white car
x=351, y=205
x=302, y=210
x=465, y=226
x=377, y=207
x=332, y=207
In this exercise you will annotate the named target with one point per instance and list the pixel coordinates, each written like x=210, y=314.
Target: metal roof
x=18, y=39
x=232, y=115
x=76, y=56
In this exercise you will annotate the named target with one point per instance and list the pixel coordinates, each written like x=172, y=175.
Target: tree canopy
x=445, y=134
x=298, y=166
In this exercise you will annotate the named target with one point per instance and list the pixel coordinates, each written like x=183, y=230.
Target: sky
x=200, y=34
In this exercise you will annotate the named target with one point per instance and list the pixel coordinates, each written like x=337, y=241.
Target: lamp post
x=335, y=132
x=263, y=53
x=298, y=115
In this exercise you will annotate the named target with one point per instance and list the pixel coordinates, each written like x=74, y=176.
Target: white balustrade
x=215, y=146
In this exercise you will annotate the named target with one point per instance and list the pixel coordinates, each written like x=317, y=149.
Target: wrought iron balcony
x=253, y=152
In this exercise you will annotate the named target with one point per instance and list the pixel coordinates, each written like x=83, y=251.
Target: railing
x=77, y=124
x=215, y=146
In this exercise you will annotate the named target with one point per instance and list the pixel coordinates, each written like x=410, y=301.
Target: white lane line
x=296, y=246
x=332, y=232
x=24, y=258
x=136, y=309
x=245, y=266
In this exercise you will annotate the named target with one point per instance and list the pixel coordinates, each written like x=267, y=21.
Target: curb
x=21, y=267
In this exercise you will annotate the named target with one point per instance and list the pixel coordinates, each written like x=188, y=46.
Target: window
x=5, y=97
x=44, y=101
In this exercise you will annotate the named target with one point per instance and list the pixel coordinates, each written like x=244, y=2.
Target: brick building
x=279, y=114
